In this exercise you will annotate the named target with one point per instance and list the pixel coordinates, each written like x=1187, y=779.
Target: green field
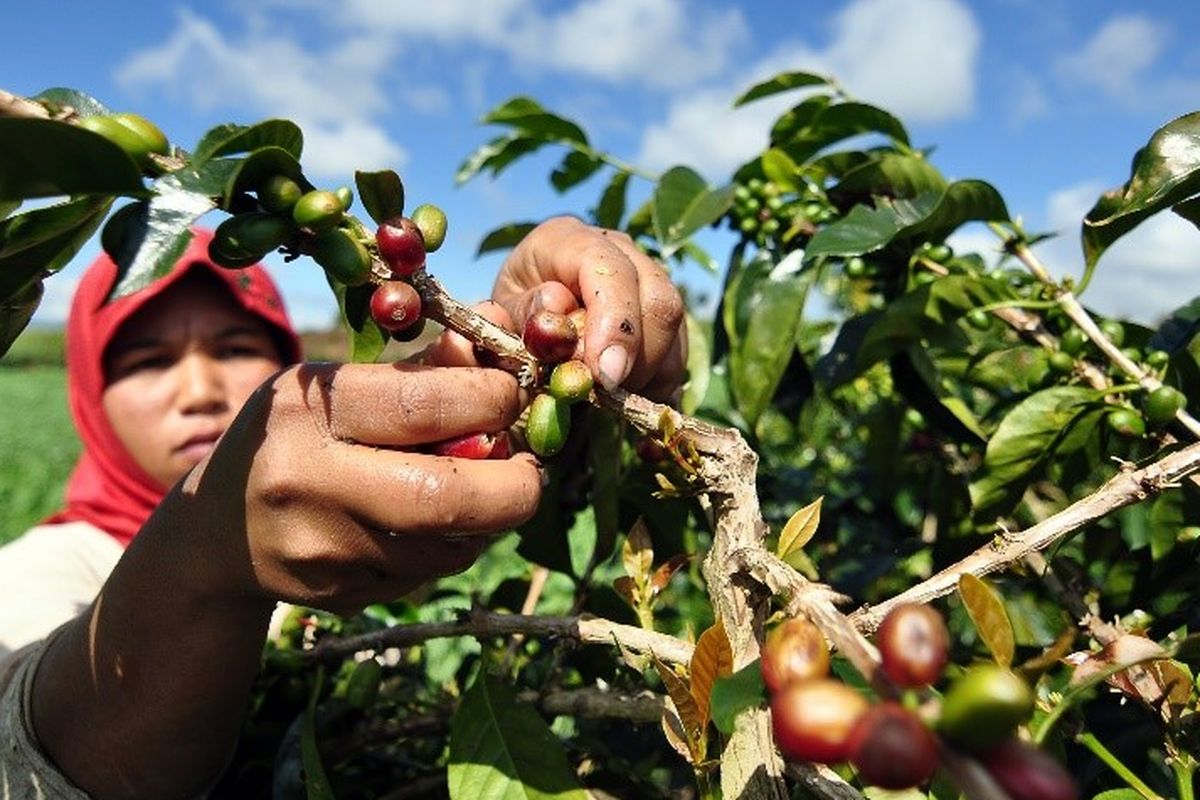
x=38, y=445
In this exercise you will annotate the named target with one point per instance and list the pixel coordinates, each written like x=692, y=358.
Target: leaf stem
x=1184, y=766
x=1098, y=749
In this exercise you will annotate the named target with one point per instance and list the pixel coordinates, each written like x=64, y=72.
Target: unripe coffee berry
x=547, y=425
x=279, y=194
x=431, y=221
x=571, y=381
x=812, y=720
x=794, y=651
x=892, y=749
x=395, y=306
x=550, y=336
x=401, y=246
x=914, y=645
x=343, y=256
x=319, y=210
x=345, y=196
x=984, y=706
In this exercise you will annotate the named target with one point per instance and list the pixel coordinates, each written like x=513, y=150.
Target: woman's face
x=178, y=372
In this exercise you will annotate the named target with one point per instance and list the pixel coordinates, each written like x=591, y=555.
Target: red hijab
x=108, y=488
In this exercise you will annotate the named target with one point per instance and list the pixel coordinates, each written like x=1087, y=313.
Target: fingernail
x=614, y=366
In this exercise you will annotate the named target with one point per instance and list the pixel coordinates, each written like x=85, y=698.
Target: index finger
x=600, y=274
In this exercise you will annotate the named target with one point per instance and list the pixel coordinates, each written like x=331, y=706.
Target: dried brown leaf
x=986, y=610
x=712, y=659
x=637, y=554
x=799, y=529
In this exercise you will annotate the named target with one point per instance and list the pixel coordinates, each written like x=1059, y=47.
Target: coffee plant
x=954, y=510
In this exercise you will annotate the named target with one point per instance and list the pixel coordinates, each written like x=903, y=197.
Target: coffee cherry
x=1126, y=422
x=651, y=450
x=136, y=135
x=1026, y=773
x=892, y=749
x=856, y=267
x=431, y=221
x=395, y=306
x=914, y=645
x=1157, y=359
x=1061, y=362
x=243, y=239
x=343, y=256
x=812, y=720
x=279, y=194
x=363, y=685
x=548, y=424
x=473, y=445
x=1161, y=405
x=1073, y=341
x=795, y=651
x=411, y=333
x=345, y=196
x=571, y=381
x=400, y=246
x=984, y=706
x=319, y=210
x=1113, y=331
x=550, y=336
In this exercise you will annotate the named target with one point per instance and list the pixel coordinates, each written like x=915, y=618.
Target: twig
x=12, y=105
x=1123, y=489
x=485, y=624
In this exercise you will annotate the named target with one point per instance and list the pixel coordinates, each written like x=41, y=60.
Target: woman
x=311, y=495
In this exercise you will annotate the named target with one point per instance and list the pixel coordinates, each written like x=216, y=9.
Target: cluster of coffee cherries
x=893, y=744
x=403, y=243
x=555, y=339
x=763, y=213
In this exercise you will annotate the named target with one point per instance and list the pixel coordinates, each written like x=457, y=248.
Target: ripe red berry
x=550, y=336
x=812, y=720
x=914, y=645
x=473, y=445
x=1027, y=773
x=395, y=306
x=401, y=246
x=795, y=650
x=891, y=748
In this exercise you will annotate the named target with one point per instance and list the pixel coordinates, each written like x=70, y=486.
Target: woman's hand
x=339, y=509
x=635, y=336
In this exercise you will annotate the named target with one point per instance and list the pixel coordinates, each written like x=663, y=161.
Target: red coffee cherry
x=473, y=445
x=401, y=246
x=812, y=720
x=795, y=650
x=914, y=645
x=1027, y=773
x=550, y=336
x=395, y=306
x=891, y=748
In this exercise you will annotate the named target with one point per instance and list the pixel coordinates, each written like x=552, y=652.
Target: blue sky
x=1046, y=99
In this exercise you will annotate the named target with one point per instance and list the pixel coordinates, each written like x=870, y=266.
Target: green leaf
x=84, y=104
x=833, y=123
x=780, y=169
x=16, y=311
x=986, y=609
x=762, y=314
x=228, y=139
x=214, y=178
x=1189, y=210
x=612, y=202
x=1024, y=438
x=604, y=455
x=683, y=204
x=933, y=214
x=1165, y=172
x=1021, y=369
x=732, y=695
x=784, y=81
x=173, y=210
x=576, y=167
x=698, y=254
x=1118, y=794
x=798, y=117
x=497, y=154
x=699, y=366
x=505, y=237
x=316, y=782
x=45, y=158
x=367, y=339
x=917, y=378
x=922, y=312
x=891, y=174
x=45, y=240
x=841, y=364
x=526, y=114
x=502, y=750
x=382, y=194
x=7, y=207
x=252, y=171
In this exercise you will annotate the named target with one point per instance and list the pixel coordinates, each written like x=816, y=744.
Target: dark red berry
x=473, y=445
x=812, y=720
x=651, y=450
x=891, y=748
x=795, y=650
x=1027, y=773
x=914, y=645
x=550, y=336
x=401, y=246
x=395, y=306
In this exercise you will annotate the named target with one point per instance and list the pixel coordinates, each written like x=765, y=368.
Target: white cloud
x=1116, y=57
x=331, y=95
x=916, y=58
x=1147, y=273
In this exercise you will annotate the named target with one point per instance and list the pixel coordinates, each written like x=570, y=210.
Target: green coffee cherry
x=571, y=381
x=1113, y=331
x=1126, y=422
x=345, y=196
x=244, y=239
x=979, y=319
x=137, y=136
x=431, y=222
x=363, y=685
x=1062, y=363
x=1157, y=359
x=1073, y=341
x=343, y=257
x=548, y=424
x=1161, y=405
x=984, y=705
x=319, y=211
x=279, y=194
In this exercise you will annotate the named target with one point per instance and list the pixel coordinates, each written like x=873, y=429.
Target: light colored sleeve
x=25, y=771
x=48, y=576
